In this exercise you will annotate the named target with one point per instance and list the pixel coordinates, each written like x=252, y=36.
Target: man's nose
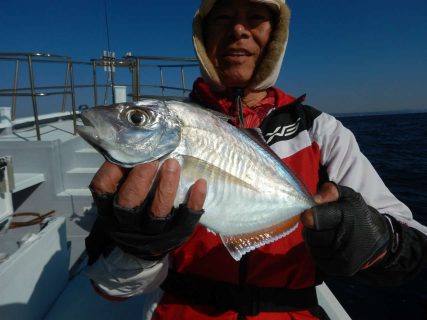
x=240, y=29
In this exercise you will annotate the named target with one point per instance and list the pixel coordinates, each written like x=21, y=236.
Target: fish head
x=131, y=133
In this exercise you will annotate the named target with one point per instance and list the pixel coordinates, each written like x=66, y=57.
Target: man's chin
x=236, y=78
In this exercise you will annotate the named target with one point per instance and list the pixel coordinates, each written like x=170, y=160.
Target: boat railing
x=79, y=81
x=32, y=90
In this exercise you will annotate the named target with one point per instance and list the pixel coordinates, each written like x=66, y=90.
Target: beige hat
x=268, y=69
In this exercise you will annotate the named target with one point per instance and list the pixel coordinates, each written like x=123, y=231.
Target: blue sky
x=348, y=56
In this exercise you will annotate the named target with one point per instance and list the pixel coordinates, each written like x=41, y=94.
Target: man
x=357, y=229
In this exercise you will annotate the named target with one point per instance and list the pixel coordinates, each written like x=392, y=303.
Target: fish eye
x=137, y=117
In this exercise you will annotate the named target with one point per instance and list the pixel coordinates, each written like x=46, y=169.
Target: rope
x=37, y=220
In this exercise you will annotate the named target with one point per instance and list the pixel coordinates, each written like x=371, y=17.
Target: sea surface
x=396, y=145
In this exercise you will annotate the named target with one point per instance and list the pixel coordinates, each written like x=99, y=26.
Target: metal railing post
x=15, y=86
x=183, y=81
x=33, y=97
x=161, y=81
x=112, y=70
x=138, y=79
x=64, y=97
x=132, y=73
x=134, y=66
x=73, y=98
x=95, y=89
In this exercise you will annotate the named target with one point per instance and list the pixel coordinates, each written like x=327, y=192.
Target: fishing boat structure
x=46, y=209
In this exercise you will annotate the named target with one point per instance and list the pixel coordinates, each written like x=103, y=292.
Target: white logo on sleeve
x=284, y=131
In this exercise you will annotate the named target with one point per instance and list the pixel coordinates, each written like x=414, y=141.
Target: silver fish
x=252, y=199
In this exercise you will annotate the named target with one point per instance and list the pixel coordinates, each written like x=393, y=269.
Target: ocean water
x=396, y=145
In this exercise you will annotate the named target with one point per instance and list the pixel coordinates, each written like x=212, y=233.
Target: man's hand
x=343, y=233
x=328, y=192
x=134, y=189
x=139, y=222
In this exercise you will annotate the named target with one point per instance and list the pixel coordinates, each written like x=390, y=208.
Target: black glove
x=137, y=231
x=348, y=234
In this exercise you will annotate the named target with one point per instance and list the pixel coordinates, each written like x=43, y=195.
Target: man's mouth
x=236, y=53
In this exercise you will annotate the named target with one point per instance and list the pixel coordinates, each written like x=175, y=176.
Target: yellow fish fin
x=239, y=244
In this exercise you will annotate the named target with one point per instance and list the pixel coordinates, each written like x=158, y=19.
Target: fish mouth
x=90, y=134
x=88, y=131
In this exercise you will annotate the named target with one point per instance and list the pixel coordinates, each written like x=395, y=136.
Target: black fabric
x=245, y=300
x=98, y=242
x=243, y=269
x=323, y=176
x=406, y=257
x=136, y=231
x=156, y=237
x=348, y=234
x=319, y=312
x=286, y=122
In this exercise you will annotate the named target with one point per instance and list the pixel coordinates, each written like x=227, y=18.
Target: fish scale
x=252, y=198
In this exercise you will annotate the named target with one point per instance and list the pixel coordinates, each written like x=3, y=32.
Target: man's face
x=236, y=34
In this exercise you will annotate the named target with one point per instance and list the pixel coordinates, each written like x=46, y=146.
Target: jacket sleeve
x=346, y=165
x=117, y=275
x=121, y=275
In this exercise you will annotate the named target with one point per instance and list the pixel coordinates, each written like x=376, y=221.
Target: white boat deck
x=51, y=174
x=26, y=180
x=54, y=126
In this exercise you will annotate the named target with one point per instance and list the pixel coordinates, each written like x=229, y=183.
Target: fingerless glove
x=137, y=231
x=348, y=234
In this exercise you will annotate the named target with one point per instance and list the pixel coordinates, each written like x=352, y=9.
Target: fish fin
x=206, y=169
x=240, y=244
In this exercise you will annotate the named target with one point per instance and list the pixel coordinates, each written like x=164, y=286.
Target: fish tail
x=240, y=244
